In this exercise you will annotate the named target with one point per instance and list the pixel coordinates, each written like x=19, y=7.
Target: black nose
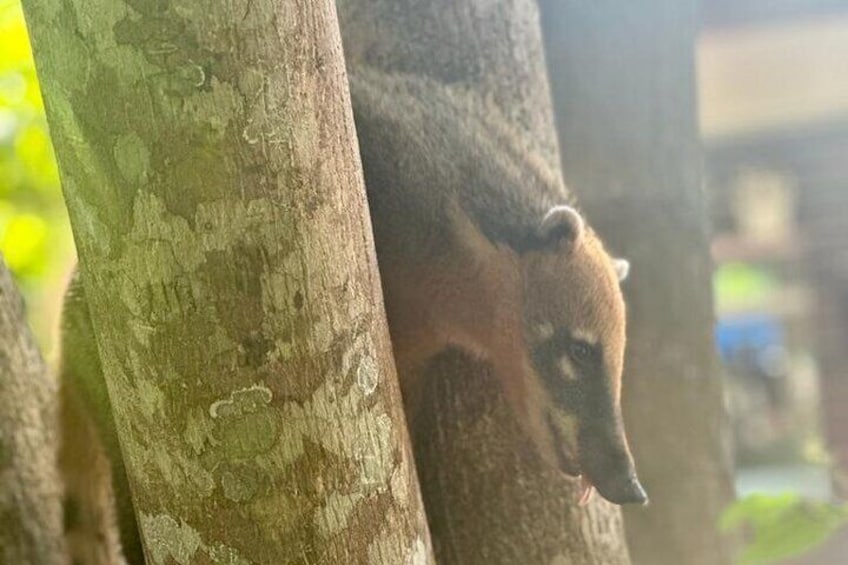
x=628, y=490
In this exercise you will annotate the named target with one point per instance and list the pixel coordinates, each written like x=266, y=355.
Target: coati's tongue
x=587, y=489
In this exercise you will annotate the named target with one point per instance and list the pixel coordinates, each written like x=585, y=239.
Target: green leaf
x=781, y=526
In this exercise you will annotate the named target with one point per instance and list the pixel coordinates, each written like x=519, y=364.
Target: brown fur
x=91, y=524
x=479, y=296
x=100, y=522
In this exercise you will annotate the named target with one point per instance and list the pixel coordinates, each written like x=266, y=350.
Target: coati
x=479, y=248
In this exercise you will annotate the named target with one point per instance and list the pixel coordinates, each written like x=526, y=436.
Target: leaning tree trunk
x=489, y=500
x=30, y=488
x=209, y=164
x=623, y=86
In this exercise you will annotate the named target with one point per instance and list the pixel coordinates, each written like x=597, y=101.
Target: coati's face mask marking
x=574, y=329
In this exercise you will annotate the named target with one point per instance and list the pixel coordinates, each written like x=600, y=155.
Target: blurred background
x=773, y=86
x=773, y=89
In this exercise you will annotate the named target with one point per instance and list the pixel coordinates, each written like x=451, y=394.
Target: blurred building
x=773, y=85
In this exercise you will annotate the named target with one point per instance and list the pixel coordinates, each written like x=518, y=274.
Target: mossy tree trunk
x=30, y=488
x=489, y=499
x=209, y=164
x=622, y=76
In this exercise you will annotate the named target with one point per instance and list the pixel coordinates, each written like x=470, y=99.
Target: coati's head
x=568, y=398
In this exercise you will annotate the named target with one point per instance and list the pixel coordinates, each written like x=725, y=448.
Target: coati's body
x=446, y=214
x=477, y=250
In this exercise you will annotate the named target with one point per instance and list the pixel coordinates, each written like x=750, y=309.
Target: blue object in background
x=746, y=333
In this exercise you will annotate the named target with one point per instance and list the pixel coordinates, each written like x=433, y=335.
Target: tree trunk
x=209, y=164
x=489, y=499
x=30, y=488
x=623, y=88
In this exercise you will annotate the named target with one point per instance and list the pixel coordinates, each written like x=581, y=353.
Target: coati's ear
x=561, y=224
x=622, y=268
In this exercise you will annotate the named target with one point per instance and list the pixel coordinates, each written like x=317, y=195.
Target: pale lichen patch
x=132, y=158
x=251, y=133
x=198, y=430
x=157, y=460
x=239, y=484
x=151, y=400
x=400, y=482
x=141, y=331
x=282, y=351
x=418, y=555
x=226, y=556
x=90, y=24
x=200, y=477
x=215, y=106
x=252, y=81
x=155, y=234
x=255, y=222
x=332, y=517
x=168, y=539
x=388, y=547
x=178, y=470
x=367, y=441
x=361, y=353
x=282, y=290
x=87, y=216
x=367, y=375
x=375, y=459
x=245, y=424
x=323, y=334
x=249, y=435
x=243, y=401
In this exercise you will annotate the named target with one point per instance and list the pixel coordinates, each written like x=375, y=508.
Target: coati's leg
x=91, y=524
x=100, y=521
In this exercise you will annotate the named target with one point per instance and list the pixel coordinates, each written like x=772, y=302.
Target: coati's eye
x=580, y=351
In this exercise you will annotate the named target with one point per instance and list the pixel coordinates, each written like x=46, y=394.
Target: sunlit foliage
x=778, y=527
x=34, y=233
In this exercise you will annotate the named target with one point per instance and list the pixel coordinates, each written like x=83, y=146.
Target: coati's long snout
x=588, y=440
x=607, y=464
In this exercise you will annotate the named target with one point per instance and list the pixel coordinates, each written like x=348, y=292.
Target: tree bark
x=622, y=77
x=30, y=488
x=489, y=499
x=209, y=164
